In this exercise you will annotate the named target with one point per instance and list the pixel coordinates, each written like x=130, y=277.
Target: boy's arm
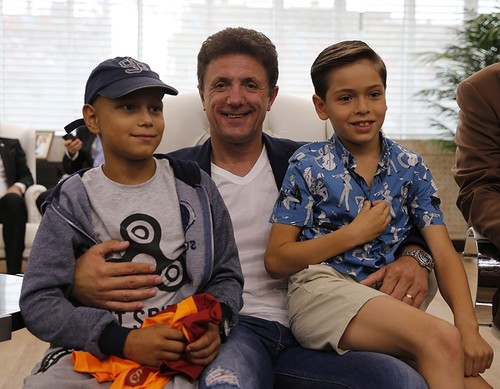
x=285, y=256
x=45, y=302
x=454, y=287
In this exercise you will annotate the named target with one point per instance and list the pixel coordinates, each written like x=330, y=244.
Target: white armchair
x=290, y=117
x=27, y=138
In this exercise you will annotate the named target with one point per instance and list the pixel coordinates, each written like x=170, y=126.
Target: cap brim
x=124, y=87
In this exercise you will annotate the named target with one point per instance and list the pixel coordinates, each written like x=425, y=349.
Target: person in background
x=171, y=217
x=477, y=166
x=82, y=151
x=15, y=177
x=346, y=205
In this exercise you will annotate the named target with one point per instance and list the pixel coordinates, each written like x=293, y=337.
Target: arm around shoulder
x=46, y=306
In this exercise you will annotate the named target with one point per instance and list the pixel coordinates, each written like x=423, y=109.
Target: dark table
x=10, y=315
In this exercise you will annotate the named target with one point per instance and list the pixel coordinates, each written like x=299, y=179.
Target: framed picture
x=43, y=142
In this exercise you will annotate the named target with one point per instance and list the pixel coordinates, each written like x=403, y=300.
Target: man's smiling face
x=236, y=97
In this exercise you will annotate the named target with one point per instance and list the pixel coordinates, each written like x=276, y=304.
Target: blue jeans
x=261, y=354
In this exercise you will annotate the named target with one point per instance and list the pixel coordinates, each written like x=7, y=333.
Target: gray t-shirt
x=148, y=216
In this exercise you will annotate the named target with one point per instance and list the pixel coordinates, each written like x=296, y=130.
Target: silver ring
x=409, y=296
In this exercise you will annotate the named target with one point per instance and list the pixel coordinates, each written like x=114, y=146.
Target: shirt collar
x=348, y=159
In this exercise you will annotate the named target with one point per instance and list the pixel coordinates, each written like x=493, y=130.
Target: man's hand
x=206, y=348
x=111, y=285
x=402, y=278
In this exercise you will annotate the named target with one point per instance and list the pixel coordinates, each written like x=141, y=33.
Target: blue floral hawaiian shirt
x=321, y=192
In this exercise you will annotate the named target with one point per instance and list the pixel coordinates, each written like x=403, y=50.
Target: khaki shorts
x=322, y=303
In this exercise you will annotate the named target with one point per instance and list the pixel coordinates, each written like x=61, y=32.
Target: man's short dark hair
x=239, y=40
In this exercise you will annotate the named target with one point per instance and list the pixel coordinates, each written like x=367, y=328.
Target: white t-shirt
x=250, y=201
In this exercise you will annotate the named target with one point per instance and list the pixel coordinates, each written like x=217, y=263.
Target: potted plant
x=477, y=45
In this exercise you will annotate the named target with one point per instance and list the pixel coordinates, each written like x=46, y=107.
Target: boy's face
x=236, y=98
x=355, y=104
x=131, y=127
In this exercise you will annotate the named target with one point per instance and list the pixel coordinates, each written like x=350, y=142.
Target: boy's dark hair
x=239, y=40
x=342, y=54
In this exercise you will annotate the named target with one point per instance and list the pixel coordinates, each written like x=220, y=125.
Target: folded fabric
x=191, y=316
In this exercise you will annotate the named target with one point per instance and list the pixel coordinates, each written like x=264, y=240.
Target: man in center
x=237, y=76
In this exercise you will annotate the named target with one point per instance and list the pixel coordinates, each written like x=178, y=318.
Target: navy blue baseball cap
x=117, y=77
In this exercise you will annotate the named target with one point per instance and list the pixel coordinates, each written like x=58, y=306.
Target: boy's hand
x=204, y=350
x=478, y=353
x=149, y=346
x=372, y=220
x=112, y=285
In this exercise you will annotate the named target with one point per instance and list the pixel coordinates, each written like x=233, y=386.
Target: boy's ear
x=320, y=107
x=90, y=117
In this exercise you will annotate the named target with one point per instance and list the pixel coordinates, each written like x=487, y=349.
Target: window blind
x=49, y=47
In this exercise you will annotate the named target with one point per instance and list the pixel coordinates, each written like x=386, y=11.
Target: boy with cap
x=170, y=216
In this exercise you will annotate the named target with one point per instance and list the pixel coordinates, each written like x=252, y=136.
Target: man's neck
x=237, y=159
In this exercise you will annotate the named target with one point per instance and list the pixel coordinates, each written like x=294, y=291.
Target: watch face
x=425, y=259
x=226, y=328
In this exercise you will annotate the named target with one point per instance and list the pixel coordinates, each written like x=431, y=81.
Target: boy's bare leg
x=387, y=325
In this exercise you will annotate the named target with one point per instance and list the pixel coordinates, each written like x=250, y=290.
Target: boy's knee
x=447, y=337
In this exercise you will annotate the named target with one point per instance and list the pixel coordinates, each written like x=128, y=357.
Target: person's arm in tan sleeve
x=477, y=168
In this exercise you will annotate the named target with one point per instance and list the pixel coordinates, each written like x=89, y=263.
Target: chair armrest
x=30, y=197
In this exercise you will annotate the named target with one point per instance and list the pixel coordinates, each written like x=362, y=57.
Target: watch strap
x=428, y=262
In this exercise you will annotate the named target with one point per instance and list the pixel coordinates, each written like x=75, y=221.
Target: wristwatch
x=224, y=329
x=424, y=259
